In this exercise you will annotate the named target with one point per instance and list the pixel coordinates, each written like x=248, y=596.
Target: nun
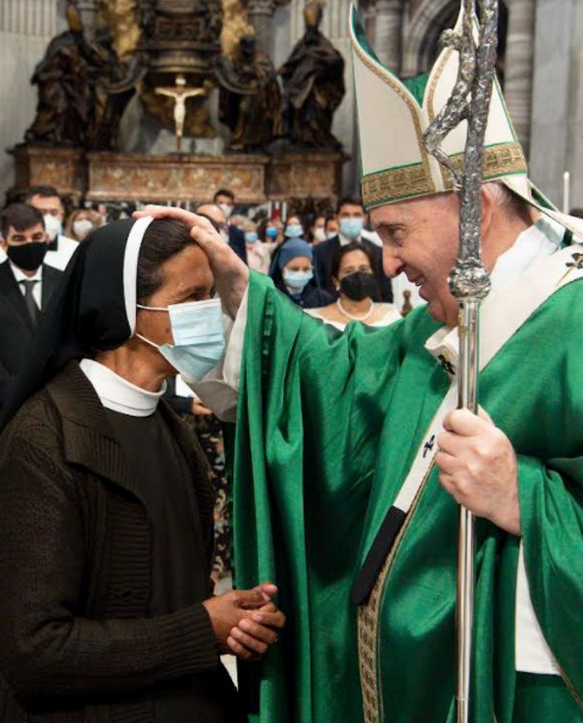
x=106, y=510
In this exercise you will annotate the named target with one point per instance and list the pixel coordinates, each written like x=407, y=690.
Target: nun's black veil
x=92, y=309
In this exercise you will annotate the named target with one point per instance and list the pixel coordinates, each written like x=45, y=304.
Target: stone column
x=519, y=66
x=388, y=32
x=260, y=13
x=88, y=10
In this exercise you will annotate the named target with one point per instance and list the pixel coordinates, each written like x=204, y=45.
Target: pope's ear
x=488, y=209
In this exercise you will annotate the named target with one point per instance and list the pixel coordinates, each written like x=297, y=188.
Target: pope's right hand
x=231, y=274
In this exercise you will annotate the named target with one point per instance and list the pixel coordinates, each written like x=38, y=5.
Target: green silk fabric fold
x=327, y=428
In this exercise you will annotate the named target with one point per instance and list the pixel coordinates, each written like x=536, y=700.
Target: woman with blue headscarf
x=294, y=275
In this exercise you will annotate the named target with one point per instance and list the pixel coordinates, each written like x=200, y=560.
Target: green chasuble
x=328, y=425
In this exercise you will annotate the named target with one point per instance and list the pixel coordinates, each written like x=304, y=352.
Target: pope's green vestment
x=328, y=425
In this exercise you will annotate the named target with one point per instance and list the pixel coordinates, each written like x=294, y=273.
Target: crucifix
x=180, y=92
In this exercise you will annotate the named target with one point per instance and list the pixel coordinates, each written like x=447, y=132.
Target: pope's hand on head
x=231, y=274
x=478, y=467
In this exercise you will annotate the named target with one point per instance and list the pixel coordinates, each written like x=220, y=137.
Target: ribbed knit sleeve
x=46, y=648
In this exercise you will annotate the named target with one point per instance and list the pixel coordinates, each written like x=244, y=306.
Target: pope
x=350, y=458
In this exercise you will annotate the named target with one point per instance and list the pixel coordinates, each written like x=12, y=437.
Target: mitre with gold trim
x=393, y=115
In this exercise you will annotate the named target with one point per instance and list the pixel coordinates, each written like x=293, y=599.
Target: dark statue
x=313, y=85
x=250, y=99
x=74, y=106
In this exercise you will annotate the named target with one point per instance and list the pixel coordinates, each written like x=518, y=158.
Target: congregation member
x=225, y=200
x=26, y=285
x=270, y=231
x=106, y=537
x=317, y=233
x=331, y=226
x=293, y=230
x=48, y=201
x=356, y=284
x=80, y=224
x=294, y=227
x=295, y=273
x=356, y=459
x=231, y=235
x=350, y=216
x=258, y=253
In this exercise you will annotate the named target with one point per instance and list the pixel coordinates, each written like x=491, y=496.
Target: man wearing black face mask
x=26, y=284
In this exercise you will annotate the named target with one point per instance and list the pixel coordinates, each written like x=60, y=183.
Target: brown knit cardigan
x=75, y=643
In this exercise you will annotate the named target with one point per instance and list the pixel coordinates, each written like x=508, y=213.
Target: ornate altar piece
x=171, y=179
x=115, y=177
x=194, y=69
x=63, y=168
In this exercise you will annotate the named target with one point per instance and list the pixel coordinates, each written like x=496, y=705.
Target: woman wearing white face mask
x=80, y=224
x=294, y=275
x=294, y=227
x=259, y=252
x=318, y=230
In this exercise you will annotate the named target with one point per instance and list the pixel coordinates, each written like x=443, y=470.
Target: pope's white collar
x=119, y=395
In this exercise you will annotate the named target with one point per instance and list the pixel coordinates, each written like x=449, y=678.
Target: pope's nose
x=392, y=265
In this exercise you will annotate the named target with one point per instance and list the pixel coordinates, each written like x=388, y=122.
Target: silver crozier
x=469, y=281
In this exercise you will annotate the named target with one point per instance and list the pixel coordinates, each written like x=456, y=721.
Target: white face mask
x=199, y=337
x=227, y=209
x=53, y=226
x=320, y=234
x=82, y=228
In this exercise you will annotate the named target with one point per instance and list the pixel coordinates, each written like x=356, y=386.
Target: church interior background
x=109, y=134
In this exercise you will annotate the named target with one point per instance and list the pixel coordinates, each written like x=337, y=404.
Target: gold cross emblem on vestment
x=575, y=265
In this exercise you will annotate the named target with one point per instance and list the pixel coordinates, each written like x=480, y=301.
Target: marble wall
x=557, y=107
x=26, y=26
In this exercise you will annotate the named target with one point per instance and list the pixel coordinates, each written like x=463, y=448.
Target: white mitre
x=393, y=115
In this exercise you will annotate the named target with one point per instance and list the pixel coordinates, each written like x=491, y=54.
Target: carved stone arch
x=427, y=23
x=422, y=37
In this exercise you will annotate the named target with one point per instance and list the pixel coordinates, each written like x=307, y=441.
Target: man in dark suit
x=26, y=284
x=351, y=216
x=225, y=200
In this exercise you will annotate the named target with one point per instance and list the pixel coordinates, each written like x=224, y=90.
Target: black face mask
x=27, y=256
x=358, y=286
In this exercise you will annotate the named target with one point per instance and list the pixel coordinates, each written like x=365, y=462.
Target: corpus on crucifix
x=180, y=92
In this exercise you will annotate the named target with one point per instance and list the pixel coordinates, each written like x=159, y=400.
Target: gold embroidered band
x=398, y=184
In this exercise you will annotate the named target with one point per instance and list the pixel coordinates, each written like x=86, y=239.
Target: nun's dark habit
x=105, y=527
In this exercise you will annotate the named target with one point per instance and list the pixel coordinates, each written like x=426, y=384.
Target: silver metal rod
x=467, y=399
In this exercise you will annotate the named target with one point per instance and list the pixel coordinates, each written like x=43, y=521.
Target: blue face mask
x=297, y=280
x=351, y=227
x=294, y=230
x=271, y=233
x=199, y=338
x=250, y=237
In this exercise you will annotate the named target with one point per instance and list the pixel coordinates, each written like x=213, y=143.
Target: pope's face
x=420, y=238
